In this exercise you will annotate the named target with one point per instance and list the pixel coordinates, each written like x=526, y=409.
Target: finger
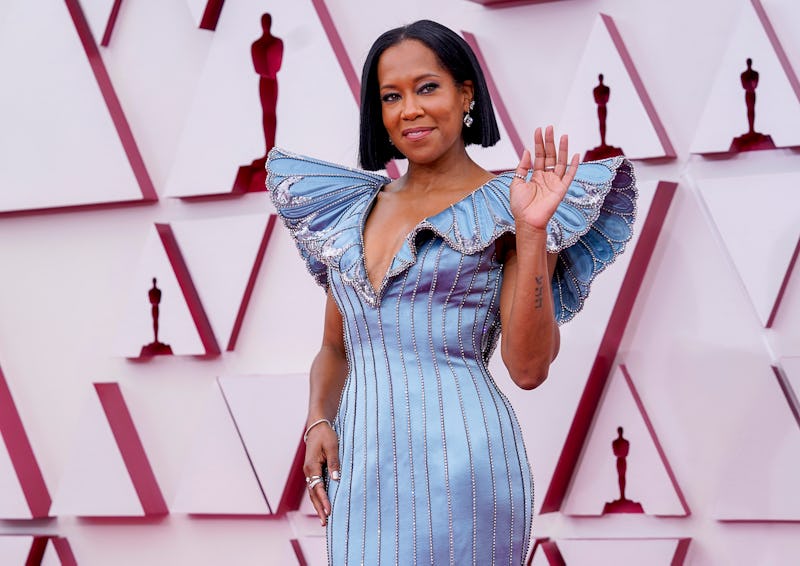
x=549, y=148
x=319, y=498
x=312, y=470
x=572, y=170
x=523, y=167
x=538, y=150
x=563, y=155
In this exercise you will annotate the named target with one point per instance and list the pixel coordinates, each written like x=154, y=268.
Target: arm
x=327, y=376
x=530, y=333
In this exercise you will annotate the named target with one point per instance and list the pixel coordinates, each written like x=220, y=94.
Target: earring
x=468, y=119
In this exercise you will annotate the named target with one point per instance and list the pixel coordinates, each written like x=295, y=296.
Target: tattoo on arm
x=538, y=292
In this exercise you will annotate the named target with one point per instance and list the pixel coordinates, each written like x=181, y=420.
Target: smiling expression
x=421, y=104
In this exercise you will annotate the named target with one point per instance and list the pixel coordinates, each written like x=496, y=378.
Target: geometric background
x=694, y=330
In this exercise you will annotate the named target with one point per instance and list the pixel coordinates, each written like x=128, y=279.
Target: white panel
x=758, y=218
x=97, y=13
x=14, y=549
x=777, y=110
x=270, y=413
x=55, y=101
x=622, y=552
x=220, y=253
x=758, y=478
x=13, y=504
x=50, y=557
x=197, y=9
x=785, y=330
x=176, y=325
x=218, y=477
x=539, y=559
x=95, y=481
x=223, y=129
x=791, y=369
x=314, y=550
x=595, y=481
x=628, y=125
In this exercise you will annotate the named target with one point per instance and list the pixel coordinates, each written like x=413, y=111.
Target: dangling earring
x=468, y=119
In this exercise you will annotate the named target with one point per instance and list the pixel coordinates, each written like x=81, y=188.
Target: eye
x=428, y=88
x=390, y=97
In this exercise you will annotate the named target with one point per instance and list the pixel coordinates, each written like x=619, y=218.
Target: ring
x=550, y=168
x=310, y=479
x=518, y=176
x=314, y=482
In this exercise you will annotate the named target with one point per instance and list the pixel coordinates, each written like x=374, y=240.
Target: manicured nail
x=335, y=475
x=322, y=522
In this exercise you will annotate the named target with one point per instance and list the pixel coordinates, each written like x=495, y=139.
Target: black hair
x=456, y=56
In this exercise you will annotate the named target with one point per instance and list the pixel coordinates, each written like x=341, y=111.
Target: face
x=422, y=106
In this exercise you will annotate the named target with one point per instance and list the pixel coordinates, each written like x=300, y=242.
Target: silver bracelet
x=312, y=425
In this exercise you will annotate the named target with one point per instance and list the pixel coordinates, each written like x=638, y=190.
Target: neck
x=450, y=170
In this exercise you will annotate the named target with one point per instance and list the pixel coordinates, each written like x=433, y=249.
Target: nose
x=411, y=108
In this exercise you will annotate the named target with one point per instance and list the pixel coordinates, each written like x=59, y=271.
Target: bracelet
x=312, y=425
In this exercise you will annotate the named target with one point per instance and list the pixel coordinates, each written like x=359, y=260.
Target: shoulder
x=321, y=203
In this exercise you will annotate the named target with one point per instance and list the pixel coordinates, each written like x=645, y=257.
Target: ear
x=468, y=90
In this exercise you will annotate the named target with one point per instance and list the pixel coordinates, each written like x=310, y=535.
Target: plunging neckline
x=362, y=223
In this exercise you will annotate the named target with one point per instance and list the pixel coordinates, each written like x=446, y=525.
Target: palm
x=535, y=199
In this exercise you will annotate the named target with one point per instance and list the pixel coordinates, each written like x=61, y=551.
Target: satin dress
x=433, y=464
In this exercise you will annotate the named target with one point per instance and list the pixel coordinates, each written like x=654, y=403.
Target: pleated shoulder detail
x=322, y=204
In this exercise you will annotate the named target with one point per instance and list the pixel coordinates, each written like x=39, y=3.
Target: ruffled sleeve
x=590, y=229
x=321, y=204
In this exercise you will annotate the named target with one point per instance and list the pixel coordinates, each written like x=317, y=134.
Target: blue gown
x=433, y=465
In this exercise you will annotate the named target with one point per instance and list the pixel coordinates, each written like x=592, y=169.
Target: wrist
x=315, y=424
x=528, y=235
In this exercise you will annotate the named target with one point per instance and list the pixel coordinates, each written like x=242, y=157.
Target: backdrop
x=132, y=135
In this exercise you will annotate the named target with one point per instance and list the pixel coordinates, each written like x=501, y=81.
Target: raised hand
x=535, y=199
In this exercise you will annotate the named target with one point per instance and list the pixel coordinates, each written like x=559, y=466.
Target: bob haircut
x=456, y=56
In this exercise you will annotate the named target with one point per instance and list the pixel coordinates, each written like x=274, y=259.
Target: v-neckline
x=362, y=223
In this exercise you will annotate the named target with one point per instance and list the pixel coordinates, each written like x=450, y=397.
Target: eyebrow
x=416, y=79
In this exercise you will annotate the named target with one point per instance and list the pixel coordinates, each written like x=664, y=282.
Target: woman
x=413, y=454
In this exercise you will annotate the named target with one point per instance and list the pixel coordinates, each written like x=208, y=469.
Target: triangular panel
x=58, y=553
x=218, y=476
x=632, y=122
x=762, y=255
x=99, y=14
x=23, y=493
x=223, y=130
x=96, y=481
x=646, y=474
x=197, y=8
x=223, y=256
x=255, y=402
x=505, y=155
x=788, y=375
x=760, y=463
x=176, y=321
x=777, y=100
x=57, y=98
x=545, y=553
x=15, y=549
x=624, y=552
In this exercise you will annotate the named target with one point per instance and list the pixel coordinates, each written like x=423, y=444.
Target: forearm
x=530, y=334
x=326, y=379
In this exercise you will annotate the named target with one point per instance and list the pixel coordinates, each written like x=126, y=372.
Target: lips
x=414, y=134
